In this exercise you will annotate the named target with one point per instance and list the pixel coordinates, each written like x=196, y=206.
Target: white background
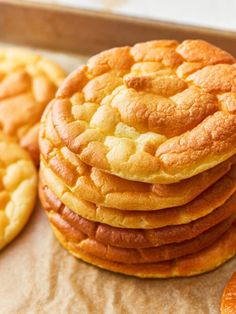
x=211, y=13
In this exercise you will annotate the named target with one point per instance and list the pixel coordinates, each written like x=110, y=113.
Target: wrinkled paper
x=38, y=276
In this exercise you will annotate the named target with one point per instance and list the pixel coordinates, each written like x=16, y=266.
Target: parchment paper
x=38, y=276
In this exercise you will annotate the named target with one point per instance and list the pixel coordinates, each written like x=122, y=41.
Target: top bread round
x=157, y=112
x=27, y=83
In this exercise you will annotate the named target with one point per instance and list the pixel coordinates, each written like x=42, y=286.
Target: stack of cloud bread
x=137, y=168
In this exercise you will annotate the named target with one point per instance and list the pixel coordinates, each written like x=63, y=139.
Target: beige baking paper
x=38, y=276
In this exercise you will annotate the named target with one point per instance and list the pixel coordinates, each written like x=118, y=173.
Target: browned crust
x=139, y=255
x=193, y=264
x=134, y=256
x=133, y=238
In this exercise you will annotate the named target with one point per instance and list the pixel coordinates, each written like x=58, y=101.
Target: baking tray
x=87, y=32
x=37, y=275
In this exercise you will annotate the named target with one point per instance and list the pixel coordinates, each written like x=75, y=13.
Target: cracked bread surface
x=157, y=112
x=28, y=82
x=94, y=185
x=18, y=189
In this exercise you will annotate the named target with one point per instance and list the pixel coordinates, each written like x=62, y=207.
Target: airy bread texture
x=91, y=184
x=228, y=300
x=157, y=112
x=193, y=264
x=18, y=189
x=27, y=83
x=73, y=224
x=205, y=203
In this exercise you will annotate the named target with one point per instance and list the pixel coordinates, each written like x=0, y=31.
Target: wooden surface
x=87, y=32
x=222, y=13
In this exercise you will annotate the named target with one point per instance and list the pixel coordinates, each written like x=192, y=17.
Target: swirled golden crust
x=157, y=112
x=228, y=301
x=18, y=189
x=205, y=203
x=94, y=185
x=27, y=83
x=66, y=219
x=193, y=264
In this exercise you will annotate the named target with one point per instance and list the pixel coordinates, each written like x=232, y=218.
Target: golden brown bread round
x=215, y=196
x=228, y=300
x=193, y=264
x=130, y=238
x=18, y=189
x=91, y=184
x=27, y=83
x=157, y=112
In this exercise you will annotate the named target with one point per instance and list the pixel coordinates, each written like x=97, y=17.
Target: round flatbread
x=157, y=112
x=18, y=189
x=228, y=300
x=27, y=83
x=205, y=203
x=94, y=185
